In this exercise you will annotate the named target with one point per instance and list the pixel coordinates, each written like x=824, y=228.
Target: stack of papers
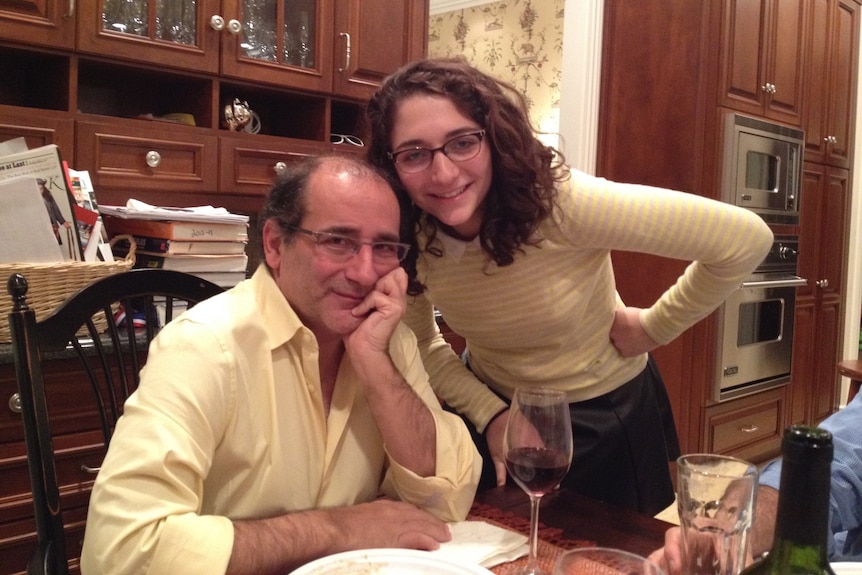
x=136, y=209
x=480, y=543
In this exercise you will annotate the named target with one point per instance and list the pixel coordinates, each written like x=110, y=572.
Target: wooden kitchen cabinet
x=762, y=47
x=40, y=128
x=41, y=22
x=671, y=135
x=749, y=428
x=374, y=38
x=77, y=441
x=831, y=69
x=819, y=305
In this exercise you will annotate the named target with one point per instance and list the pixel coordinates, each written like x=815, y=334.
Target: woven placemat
x=552, y=542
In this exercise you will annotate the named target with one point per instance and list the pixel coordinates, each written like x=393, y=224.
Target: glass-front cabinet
x=271, y=41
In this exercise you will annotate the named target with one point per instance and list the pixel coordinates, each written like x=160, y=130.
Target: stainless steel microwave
x=762, y=167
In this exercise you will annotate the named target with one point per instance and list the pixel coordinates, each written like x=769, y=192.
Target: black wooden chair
x=106, y=328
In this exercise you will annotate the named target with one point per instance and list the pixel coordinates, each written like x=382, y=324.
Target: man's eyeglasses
x=459, y=149
x=344, y=247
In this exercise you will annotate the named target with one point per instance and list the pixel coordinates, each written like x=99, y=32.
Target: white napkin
x=480, y=543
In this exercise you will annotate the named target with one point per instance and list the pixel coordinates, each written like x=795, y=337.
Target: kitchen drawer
x=248, y=166
x=135, y=155
x=749, y=428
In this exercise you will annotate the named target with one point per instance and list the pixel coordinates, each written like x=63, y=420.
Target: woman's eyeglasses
x=343, y=248
x=459, y=149
x=345, y=139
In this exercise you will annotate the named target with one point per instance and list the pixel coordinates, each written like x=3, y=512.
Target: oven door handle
x=794, y=281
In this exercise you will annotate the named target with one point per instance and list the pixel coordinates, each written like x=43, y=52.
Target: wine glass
x=538, y=447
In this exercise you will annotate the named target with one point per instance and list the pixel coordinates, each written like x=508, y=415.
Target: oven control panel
x=782, y=258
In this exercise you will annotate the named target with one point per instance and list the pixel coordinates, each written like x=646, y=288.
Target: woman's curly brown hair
x=525, y=171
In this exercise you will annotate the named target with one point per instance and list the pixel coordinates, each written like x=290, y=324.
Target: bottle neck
x=803, y=505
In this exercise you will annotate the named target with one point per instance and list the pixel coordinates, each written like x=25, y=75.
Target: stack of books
x=207, y=242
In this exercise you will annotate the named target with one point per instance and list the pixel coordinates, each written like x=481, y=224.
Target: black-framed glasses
x=459, y=149
x=345, y=139
x=343, y=247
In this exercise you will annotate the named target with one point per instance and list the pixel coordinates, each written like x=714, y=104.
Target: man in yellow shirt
x=271, y=418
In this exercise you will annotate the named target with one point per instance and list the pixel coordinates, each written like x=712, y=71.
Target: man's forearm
x=280, y=544
x=404, y=421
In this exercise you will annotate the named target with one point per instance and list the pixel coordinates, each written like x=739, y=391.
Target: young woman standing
x=514, y=249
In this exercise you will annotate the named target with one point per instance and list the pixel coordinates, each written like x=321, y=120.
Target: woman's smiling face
x=453, y=192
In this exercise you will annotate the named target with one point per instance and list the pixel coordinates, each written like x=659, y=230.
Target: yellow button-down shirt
x=228, y=423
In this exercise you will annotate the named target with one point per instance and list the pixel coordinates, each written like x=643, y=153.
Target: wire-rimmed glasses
x=342, y=247
x=461, y=148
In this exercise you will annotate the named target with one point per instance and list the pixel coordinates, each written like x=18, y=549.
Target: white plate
x=846, y=568
x=387, y=562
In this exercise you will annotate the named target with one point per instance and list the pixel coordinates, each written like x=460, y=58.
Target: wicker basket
x=49, y=284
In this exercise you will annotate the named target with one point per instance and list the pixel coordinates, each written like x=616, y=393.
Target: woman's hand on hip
x=628, y=335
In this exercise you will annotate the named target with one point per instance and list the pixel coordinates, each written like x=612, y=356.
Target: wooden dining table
x=568, y=520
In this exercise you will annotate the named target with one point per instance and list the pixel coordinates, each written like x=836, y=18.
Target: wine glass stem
x=534, y=531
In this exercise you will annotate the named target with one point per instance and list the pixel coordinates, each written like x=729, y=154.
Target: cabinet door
x=284, y=42
x=177, y=34
x=375, y=40
x=43, y=22
x=819, y=305
x=763, y=43
x=833, y=31
x=842, y=82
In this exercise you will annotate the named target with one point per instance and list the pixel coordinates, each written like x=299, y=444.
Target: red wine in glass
x=538, y=447
x=537, y=469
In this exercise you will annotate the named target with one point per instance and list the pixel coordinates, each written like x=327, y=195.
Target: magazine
x=46, y=166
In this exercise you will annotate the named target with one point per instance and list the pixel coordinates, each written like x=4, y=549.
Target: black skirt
x=623, y=441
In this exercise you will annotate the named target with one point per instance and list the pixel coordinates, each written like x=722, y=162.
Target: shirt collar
x=281, y=322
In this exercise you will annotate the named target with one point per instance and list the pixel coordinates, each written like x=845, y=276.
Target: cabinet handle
x=153, y=159
x=280, y=168
x=748, y=428
x=824, y=283
x=769, y=88
x=15, y=403
x=217, y=23
x=90, y=470
x=830, y=140
x=71, y=11
x=346, y=51
x=234, y=26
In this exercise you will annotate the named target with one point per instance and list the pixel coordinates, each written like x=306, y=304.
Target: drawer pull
x=749, y=428
x=153, y=159
x=15, y=403
x=90, y=470
x=280, y=167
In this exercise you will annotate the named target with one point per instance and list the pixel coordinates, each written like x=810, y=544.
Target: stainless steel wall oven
x=755, y=335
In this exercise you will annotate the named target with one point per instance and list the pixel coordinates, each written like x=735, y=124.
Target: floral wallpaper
x=519, y=41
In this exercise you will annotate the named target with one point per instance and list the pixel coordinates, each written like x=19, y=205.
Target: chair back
x=106, y=364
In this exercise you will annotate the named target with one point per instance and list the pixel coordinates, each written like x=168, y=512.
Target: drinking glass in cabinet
x=126, y=16
x=294, y=46
x=176, y=21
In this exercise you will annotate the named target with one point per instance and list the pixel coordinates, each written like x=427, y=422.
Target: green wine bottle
x=802, y=520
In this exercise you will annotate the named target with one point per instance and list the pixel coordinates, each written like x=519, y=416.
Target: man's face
x=321, y=288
